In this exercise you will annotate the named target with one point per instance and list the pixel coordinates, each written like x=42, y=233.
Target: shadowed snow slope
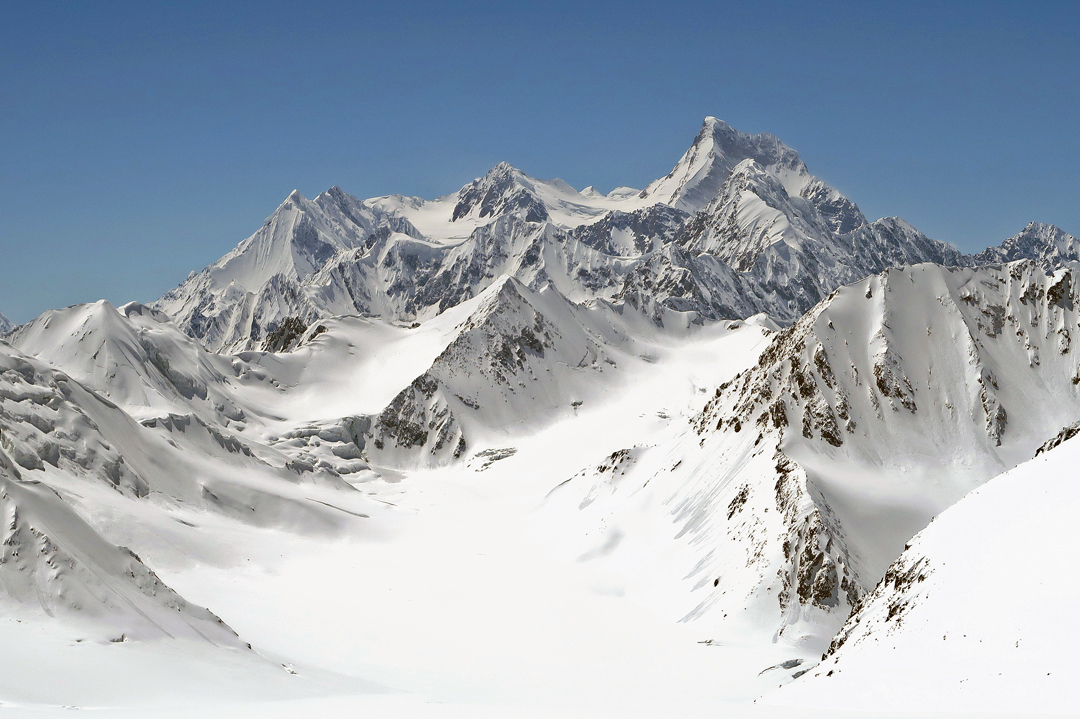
x=974, y=615
x=54, y=562
x=136, y=357
x=49, y=421
x=506, y=362
x=519, y=358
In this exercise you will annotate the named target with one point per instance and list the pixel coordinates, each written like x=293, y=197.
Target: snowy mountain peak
x=1048, y=245
x=5, y=325
x=698, y=176
x=503, y=190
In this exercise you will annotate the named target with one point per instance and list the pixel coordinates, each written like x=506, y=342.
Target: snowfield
x=721, y=446
x=973, y=615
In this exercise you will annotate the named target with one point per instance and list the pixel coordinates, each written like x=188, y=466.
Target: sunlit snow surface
x=446, y=602
x=461, y=593
x=978, y=615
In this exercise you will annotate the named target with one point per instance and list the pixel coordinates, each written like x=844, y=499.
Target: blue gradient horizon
x=141, y=141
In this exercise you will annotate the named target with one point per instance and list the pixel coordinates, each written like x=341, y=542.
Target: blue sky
x=141, y=141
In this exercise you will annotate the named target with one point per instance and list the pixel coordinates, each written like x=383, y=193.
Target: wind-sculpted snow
x=134, y=356
x=48, y=419
x=51, y=422
x=757, y=554
x=55, y=563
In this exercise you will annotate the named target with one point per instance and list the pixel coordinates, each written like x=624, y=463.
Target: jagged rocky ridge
x=802, y=479
x=1051, y=247
x=738, y=227
x=518, y=357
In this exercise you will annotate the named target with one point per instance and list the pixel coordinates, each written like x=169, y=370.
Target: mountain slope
x=51, y=423
x=516, y=360
x=758, y=233
x=136, y=357
x=970, y=617
x=405, y=259
x=800, y=480
x=54, y=562
x=250, y=290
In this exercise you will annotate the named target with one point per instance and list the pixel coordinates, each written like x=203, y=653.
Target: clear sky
x=140, y=141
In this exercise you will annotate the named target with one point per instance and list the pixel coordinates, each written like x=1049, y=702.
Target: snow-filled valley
x=718, y=446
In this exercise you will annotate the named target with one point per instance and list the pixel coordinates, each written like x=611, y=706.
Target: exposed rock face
x=285, y=336
x=1066, y=433
x=631, y=234
x=502, y=191
x=517, y=356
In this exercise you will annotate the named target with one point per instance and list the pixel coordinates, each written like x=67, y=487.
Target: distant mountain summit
x=5, y=325
x=738, y=227
x=700, y=175
x=1049, y=246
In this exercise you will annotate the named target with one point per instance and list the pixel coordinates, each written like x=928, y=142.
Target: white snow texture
x=717, y=446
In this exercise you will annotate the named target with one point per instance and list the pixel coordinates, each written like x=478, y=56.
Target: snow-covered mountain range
x=727, y=400
x=739, y=226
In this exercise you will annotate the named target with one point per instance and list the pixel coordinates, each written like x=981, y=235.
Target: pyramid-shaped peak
x=713, y=125
x=1041, y=228
x=504, y=189
x=718, y=148
x=502, y=172
x=295, y=198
